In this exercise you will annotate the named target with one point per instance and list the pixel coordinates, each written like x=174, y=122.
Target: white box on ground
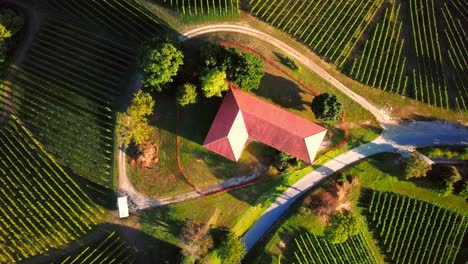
x=123, y=206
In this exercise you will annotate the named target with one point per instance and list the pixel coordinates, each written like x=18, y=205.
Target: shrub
x=283, y=161
x=464, y=191
x=196, y=241
x=286, y=61
x=327, y=107
x=446, y=188
x=416, y=167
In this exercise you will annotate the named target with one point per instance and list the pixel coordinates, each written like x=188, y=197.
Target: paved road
x=381, y=116
x=394, y=138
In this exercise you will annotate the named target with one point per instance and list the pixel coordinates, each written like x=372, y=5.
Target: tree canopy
x=187, y=94
x=232, y=250
x=4, y=33
x=244, y=69
x=133, y=124
x=214, y=83
x=249, y=72
x=327, y=107
x=341, y=226
x=160, y=64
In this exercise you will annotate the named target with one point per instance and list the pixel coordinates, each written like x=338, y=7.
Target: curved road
x=396, y=137
x=381, y=116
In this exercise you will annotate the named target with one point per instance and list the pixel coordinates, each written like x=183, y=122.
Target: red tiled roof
x=265, y=123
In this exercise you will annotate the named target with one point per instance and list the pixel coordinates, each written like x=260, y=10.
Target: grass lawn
x=206, y=168
x=382, y=172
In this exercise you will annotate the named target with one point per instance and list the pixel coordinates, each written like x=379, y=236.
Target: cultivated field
x=204, y=8
x=65, y=91
x=41, y=206
x=313, y=249
x=110, y=249
x=415, y=231
x=397, y=46
x=126, y=19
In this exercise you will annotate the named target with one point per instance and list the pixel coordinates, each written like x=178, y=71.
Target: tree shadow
x=141, y=247
x=281, y=91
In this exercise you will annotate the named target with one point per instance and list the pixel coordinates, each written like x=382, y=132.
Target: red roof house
x=244, y=117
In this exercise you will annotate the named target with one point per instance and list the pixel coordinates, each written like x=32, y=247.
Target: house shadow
x=281, y=91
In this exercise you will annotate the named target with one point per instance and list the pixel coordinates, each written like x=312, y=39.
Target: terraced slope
x=41, y=206
x=109, y=249
x=204, y=8
x=65, y=92
x=127, y=19
x=314, y=249
x=412, y=48
x=414, y=231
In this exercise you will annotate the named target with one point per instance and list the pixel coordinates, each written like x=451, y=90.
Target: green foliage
x=11, y=20
x=187, y=94
x=248, y=72
x=160, y=64
x=283, y=161
x=4, y=33
x=214, y=83
x=452, y=174
x=327, y=107
x=232, y=250
x=416, y=167
x=341, y=227
x=244, y=69
x=133, y=125
x=464, y=191
x=286, y=61
x=446, y=188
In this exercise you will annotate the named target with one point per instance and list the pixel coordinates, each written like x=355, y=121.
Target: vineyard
x=414, y=231
x=314, y=249
x=397, y=46
x=204, y=8
x=41, y=206
x=65, y=92
x=110, y=249
x=127, y=19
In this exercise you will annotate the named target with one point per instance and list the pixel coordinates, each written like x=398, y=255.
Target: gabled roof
x=243, y=116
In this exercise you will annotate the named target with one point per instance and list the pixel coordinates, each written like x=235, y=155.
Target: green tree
x=187, y=94
x=214, y=83
x=327, y=107
x=196, y=241
x=133, y=124
x=341, y=226
x=160, y=65
x=416, y=167
x=232, y=250
x=249, y=72
x=11, y=20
